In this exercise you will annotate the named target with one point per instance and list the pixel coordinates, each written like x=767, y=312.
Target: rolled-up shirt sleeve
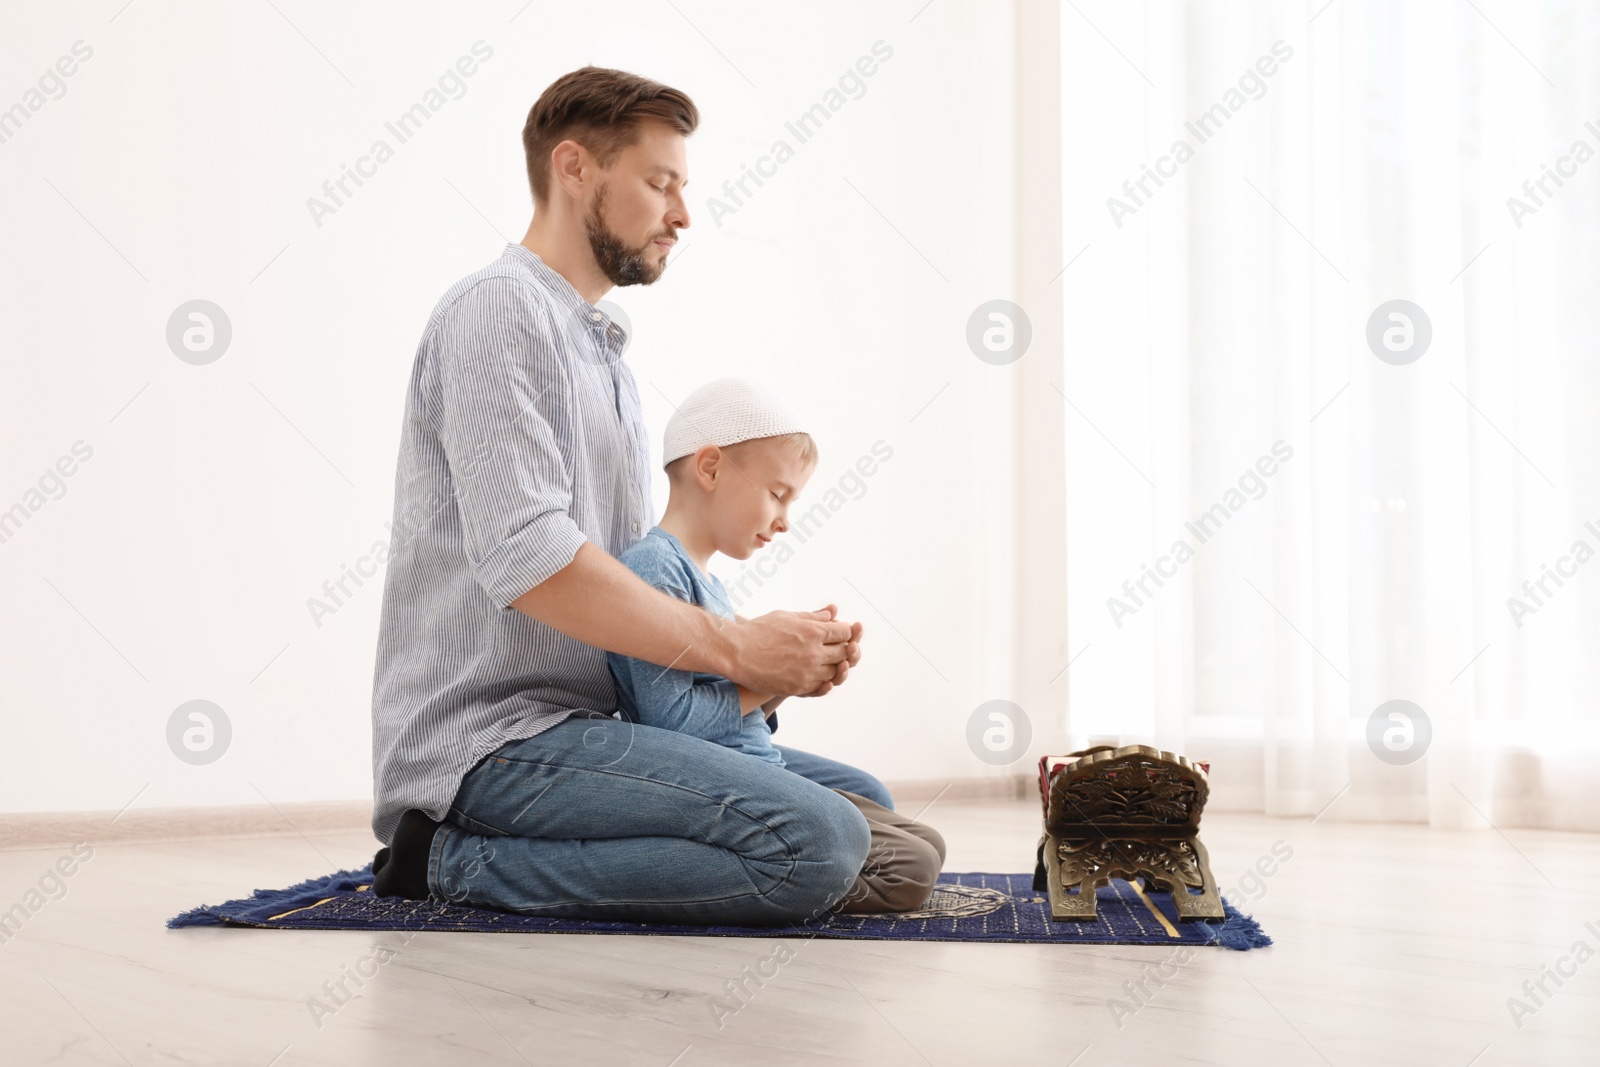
x=503, y=408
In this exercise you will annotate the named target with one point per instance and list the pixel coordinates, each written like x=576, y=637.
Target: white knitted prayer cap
x=725, y=412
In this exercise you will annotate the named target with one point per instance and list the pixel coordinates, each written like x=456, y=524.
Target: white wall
x=177, y=165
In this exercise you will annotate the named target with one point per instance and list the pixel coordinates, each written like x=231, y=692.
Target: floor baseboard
x=44, y=830
x=922, y=790
x=38, y=830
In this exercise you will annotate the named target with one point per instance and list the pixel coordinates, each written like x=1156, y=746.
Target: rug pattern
x=963, y=907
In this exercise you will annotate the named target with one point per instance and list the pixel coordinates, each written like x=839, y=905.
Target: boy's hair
x=601, y=109
x=804, y=449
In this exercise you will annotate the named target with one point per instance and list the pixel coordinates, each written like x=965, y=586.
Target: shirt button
x=635, y=527
x=595, y=316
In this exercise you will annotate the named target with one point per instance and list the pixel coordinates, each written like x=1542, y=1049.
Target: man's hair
x=601, y=109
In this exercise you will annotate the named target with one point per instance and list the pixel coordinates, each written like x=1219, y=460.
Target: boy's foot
x=876, y=812
x=401, y=869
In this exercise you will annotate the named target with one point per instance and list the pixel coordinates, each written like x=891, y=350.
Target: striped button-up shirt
x=523, y=438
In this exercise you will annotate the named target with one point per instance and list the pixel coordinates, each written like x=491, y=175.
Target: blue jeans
x=599, y=818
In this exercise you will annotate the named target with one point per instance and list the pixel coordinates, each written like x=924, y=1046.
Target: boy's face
x=750, y=504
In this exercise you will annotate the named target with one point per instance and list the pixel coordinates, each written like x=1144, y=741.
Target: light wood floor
x=1396, y=945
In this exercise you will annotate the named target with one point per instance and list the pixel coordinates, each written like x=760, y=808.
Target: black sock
x=401, y=870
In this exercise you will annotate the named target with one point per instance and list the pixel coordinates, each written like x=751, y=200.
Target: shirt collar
x=591, y=316
x=705, y=575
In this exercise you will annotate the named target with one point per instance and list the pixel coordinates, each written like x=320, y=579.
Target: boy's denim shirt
x=691, y=702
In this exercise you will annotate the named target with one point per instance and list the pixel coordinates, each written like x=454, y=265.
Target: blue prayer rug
x=963, y=907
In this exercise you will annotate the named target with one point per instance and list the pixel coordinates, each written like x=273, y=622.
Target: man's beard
x=619, y=263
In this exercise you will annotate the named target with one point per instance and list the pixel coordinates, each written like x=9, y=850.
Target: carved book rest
x=1123, y=812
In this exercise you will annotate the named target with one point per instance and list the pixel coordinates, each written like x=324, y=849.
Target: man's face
x=638, y=207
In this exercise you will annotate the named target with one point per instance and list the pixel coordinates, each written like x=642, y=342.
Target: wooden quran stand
x=1123, y=812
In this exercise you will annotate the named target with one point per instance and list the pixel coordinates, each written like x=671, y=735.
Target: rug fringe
x=210, y=914
x=1239, y=931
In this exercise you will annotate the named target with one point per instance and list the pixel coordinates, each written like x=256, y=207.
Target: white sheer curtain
x=1223, y=314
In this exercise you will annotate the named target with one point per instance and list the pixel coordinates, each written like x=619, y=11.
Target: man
x=503, y=774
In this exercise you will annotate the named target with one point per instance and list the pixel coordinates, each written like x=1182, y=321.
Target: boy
x=736, y=458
